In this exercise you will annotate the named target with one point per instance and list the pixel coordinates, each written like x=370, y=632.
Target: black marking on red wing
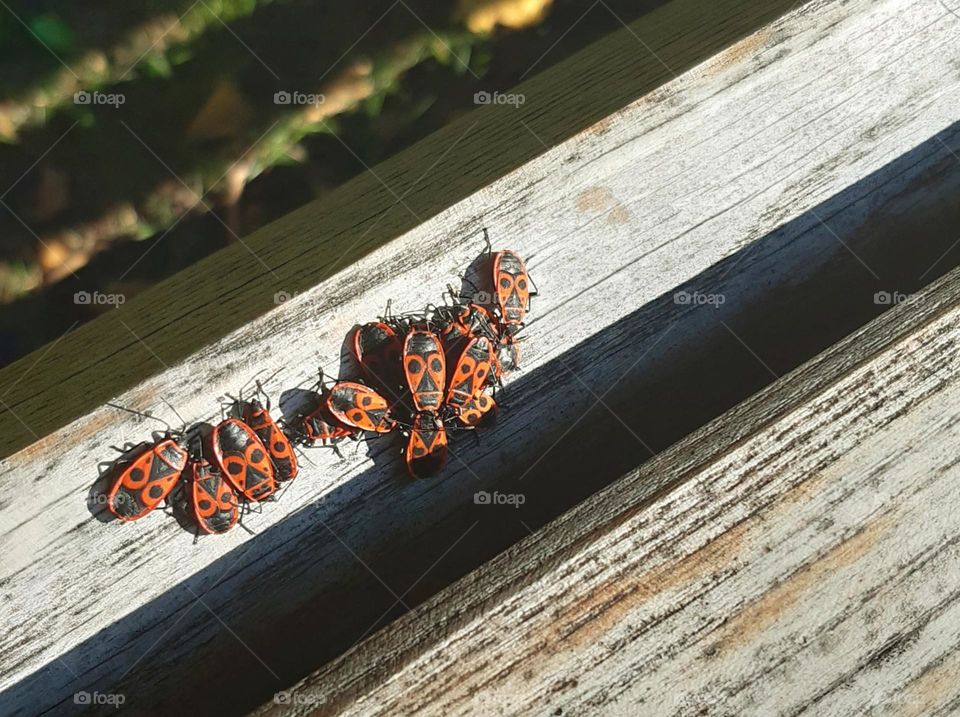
x=471, y=372
x=453, y=333
x=374, y=337
x=322, y=426
x=284, y=469
x=360, y=406
x=276, y=443
x=243, y=460
x=511, y=263
x=124, y=499
x=427, y=446
x=173, y=455
x=147, y=481
x=215, y=504
x=459, y=393
x=425, y=369
x=256, y=416
x=480, y=412
x=510, y=276
x=510, y=304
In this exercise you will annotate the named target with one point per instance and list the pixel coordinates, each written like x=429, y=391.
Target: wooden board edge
x=61, y=381
x=370, y=663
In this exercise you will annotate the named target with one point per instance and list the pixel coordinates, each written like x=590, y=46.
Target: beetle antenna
x=240, y=523
x=269, y=378
x=176, y=412
x=320, y=376
x=140, y=413
x=249, y=381
x=303, y=455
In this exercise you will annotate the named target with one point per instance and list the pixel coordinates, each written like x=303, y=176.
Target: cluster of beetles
x=423, y=375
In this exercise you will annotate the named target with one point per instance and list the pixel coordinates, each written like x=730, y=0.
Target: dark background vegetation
x=112, y=197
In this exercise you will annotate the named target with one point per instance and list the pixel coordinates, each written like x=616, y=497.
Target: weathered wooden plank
x=808, y=566
x=611, y=220
x=221, y=294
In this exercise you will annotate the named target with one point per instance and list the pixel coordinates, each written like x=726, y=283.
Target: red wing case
x=147, y=481
x=321, y=426
x=470, y=372
x=243, y=460
x=427, y=446
x=215, y=504
x=277, y=444
x=360, y=407
x=513, y=286
x=480, y=412
x=425, y=368
x=377, y=348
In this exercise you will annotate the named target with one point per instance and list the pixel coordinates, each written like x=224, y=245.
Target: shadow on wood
x=324, y=580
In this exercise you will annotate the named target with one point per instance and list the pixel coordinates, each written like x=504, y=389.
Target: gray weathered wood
x=224, y=292
x=798, y=554
x=611, y=219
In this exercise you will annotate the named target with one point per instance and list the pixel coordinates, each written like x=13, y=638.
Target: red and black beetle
x=243, y=460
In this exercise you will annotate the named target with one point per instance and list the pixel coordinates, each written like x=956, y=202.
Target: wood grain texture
x=612, y=220
x=797, y=555
x=227, y=290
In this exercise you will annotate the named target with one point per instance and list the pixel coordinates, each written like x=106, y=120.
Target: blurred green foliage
x=151, y=129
